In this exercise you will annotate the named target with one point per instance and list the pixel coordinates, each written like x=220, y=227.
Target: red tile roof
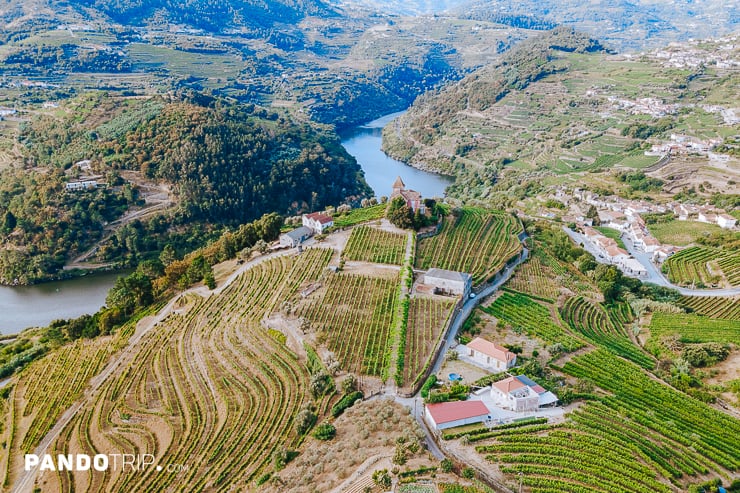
x=491, y=349
x=508, y=385
x=444, y=412
x=322, y=218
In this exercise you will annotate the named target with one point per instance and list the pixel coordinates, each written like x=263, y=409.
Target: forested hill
x=209, y=15
x=224, y=164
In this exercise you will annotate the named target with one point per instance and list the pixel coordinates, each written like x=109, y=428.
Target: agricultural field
x=375, y=245
x=695, y=328
x=478, y=242
x=354, y=314
x=642, y=437
x=703, y=266
x=427, y=318
x=536, y=278
x=207, y=383
x=714, y=307
x=682, y=233
x=527, y=316
x=38, y=400
x=593, y=321
x=358, y=216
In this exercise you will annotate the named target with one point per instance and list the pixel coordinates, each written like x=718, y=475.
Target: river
x=364, y=143
x=38, y=305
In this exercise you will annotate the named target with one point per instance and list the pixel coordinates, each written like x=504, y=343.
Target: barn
x=450, y=414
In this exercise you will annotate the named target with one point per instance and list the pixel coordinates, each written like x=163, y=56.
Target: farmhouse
x=726, y=221
x=449, y=282
x=490, y=354
x=317, y=222
x=521, y=394
x=296, y=237
x=412, y=197
x=450, y=414
x=81, y=185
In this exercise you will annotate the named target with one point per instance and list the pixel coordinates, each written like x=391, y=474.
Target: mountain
x=560, y=109
x=625, y=25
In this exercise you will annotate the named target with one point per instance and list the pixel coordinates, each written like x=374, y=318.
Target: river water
x=364, y=143
x=38, y=305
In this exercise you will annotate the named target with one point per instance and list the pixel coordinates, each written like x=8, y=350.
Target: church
x=412, y=197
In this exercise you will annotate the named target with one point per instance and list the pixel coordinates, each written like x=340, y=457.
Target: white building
x=726, y=221
x=296, y=237
x=317, y=222
x=490, y=355
x=633, y=267
x=450, y=414
x=81, y=185
x=521, y=394
x=449, y=282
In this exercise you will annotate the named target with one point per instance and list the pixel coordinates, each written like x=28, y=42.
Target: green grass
x=682, y=233
x=695, y=328
x=611, y=233
x=358, y=216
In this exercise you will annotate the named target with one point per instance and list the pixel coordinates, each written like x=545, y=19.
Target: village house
x=449, y=282
x=317, y=222
x=490, y=354
x=521, y=394
x=450, y=414
x=296, y=237
x=726, y=221
x=81, y=185
x=412, y=197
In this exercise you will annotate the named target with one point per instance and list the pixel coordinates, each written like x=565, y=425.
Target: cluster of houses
x=508, y=396
x=644, y=106
x=683, y=144
x=678, y=55
x=608, y=251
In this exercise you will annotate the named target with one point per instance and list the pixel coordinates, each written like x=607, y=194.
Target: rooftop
x=509, y=385
x=444, y=412
x=299, y=233
x=491, y=349
x=450, y=275
x=322, y=218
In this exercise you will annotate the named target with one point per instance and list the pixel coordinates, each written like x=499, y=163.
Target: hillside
x=552, y=113
x=622, y=25
x=221, y=165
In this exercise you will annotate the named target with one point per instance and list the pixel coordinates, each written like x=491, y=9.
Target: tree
x=349, y=384
x=593, y=214
x=400, y=214
x=325, y=431
x=9, y=222
x=168, y=255
x=447, y=465
x=382, y=478
x=304, y=421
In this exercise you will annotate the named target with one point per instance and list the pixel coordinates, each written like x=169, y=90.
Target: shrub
x=325, y=431
x=345, y=402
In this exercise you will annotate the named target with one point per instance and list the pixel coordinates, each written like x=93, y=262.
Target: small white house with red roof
x=490, y=354
x=317, y=222
x=520, y=393
x=450, y=414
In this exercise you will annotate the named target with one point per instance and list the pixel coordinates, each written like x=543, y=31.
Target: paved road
x=654, y=275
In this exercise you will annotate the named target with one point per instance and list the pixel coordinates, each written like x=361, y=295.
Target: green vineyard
x=355, y=314
x=644, y=437
x=695, y=328
x=207, y=381
x=536, y=278
x=703, y=266
x=477, y=242
x=525, y=314
x=593, y=321
x=427, y=318
x=714, y=307
x=369, y=244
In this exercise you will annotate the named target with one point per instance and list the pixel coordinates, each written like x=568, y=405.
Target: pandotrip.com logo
x=131, y=463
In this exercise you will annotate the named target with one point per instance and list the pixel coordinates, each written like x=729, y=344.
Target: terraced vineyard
x=525, y=314
x=536, y=278
x=375, y=245
x=593, y=322
x=427, y=318
x=695, y=328
x=479, y=242
x=355, y=314
x=644, y=437
x=714, y=307
x=692, y=266
x=38, y=400
x=208, y=388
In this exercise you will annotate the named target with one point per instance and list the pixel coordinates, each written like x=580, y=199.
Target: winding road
x=654, y=275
